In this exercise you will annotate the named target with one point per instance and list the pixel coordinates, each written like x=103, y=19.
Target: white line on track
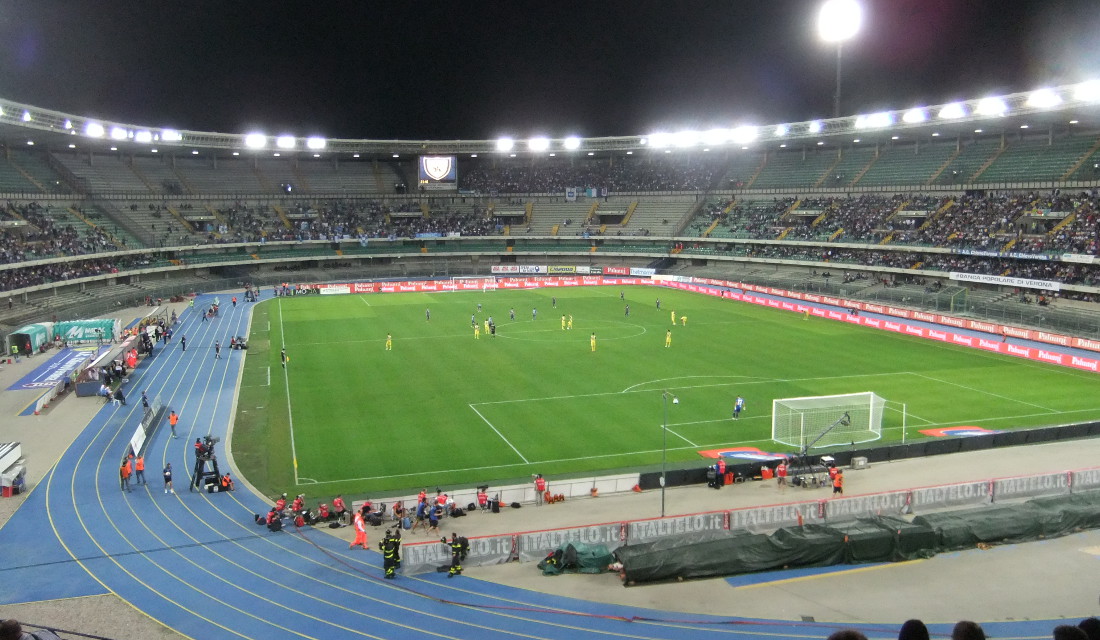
x=521, y=456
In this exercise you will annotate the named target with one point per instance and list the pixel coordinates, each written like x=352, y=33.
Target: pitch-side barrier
x=529, y=546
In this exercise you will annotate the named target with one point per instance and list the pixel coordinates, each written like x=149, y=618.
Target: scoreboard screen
x=438, y=172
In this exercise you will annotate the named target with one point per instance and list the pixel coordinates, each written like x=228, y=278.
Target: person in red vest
x=781, y=473
x=124, y=473
x=482, y=499
x=298, y=504
x=540, y=488
x=338, y=506
x=838, y=482
x=422, y=496
x=360, y=532
x=234, y=301
x=280, y=504
x=323, y=512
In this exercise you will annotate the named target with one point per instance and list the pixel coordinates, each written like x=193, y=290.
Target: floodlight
x=591, y=153
x=952, y=111
x=152, y=150
x=511, y=155
x=30, y=142
x=991, y=107
x=815, y=126
x=839, y=20
x=316, y=155
x=143, y=136
x=553, y=155
x=505, y=144
x=194, y=152
x=236, y=153
x=783, y=146
x=285, y=142
x=472, y=155
x=716, y=136
x=781, y=130
x=93, y=130
x=170, y=135
x=874, y=120
x=396, y=155
x=255, y=140
x=72, y=146
x=538, y=143
x=316, y=143
x=915, y=115
x=26, y=116
x=685, y=138
x=1023, y=126
x=116, y=149
x=743, y=134
x=118, y=133
x=1044, y=99
x=572, y=142
x=819, y=143
x=629, y=153
x=1088, y=91
x=68, y=123
x=277, y=154
x=356, y=155
x=659, y=140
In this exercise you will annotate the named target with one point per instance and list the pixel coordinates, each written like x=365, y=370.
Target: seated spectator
x=1069, y=632
x=913, y=630
x=1091, y=627
x=12, y=630
x=323, y=514
x=227, y=483
x=847, y=634
x=967, y=630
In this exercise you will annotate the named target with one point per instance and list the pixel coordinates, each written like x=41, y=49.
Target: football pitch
x=441, y=408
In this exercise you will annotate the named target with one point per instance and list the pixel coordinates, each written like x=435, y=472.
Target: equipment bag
x=406, y=523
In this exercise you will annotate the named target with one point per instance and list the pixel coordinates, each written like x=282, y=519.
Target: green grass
x=443, y=409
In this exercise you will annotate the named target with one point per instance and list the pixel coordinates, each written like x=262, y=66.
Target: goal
x=823, y=421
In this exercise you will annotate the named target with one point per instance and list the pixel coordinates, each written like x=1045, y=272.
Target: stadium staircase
x=939, y=212
x=379, y=180
x=828, y=172
x=300, y=178
x=988, y=163
x=184, y=222
x=591, y=213
x=141, y=176
x=184, y=182
x=1068, y=220
x=286, y=220
x=28, y=177
x=629, y=212
x=865, y=169
x=1081, y=161
x=217, y=216
x=943, y=167
x=92, y=225
x=265, y=184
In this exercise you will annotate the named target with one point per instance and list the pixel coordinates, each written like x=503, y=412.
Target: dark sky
x=481, y=69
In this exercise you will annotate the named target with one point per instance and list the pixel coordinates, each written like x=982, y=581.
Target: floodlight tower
x=837, y=21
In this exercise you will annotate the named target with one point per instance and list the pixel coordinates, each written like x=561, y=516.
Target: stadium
x=908, y=295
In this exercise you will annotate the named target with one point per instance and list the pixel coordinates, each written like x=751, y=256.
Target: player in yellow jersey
x=570, y=325
x=486, y=326
x=563, y=322
x=477, y=332
x=683, y=321
x=389, y=342
x=592, y=341
x=668, y=338
x=673, y=316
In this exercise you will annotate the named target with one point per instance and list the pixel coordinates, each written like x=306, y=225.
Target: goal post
x=824, y=421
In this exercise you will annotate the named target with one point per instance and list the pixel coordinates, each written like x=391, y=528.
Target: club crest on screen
x=436, y=167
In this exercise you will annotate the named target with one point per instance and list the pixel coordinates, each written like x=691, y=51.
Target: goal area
x=825, y=421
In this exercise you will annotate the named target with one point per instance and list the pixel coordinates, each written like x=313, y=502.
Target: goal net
x=823, y=421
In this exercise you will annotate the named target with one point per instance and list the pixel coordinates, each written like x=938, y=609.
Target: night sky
x=443, y=70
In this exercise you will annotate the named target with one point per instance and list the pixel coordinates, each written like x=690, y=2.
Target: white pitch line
x=364, y=300
x=680, y=436
x=500, y=434
x=289, y=411
x=995, y=395
x=650, y=451
x=698, y=386
x=268, y=370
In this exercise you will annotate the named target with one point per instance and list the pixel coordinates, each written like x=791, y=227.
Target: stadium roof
x=1055, y=109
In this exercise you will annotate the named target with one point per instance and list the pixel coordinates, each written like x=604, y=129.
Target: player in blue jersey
x=738, y=405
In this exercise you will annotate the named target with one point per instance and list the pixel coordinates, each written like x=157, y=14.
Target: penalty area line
x=521, y=456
